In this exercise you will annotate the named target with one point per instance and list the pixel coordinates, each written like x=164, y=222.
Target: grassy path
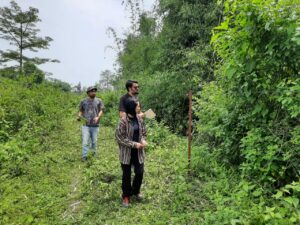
x=167, y=192
x=57, y=188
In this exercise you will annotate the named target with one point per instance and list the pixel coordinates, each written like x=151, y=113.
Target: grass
x=57, y=188
x=165, y=187
x=42, y=194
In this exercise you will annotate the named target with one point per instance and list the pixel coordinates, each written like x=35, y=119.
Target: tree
x=77, y=88
x=106, y=80
x=19, y=28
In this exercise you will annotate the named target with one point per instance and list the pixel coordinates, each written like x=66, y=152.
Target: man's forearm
x=100, y=113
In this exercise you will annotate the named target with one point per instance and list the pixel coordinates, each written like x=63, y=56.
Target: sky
x=80, y=37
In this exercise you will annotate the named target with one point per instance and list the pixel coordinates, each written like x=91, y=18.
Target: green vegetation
x=259, y=73
x=34, y=145
x=240, y=58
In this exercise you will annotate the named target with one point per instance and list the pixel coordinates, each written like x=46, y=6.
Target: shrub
x=250, y=116
x=27, y=117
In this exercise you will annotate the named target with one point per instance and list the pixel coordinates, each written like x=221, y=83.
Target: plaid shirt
x=124, y=137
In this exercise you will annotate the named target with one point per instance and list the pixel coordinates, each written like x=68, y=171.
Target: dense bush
x=248, y=118
x=251, y=115
x=234, y=200
x=28, y=115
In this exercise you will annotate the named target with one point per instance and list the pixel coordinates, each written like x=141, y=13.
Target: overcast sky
x=79, y=30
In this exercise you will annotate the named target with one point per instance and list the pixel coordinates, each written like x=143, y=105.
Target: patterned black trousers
x=134, y=188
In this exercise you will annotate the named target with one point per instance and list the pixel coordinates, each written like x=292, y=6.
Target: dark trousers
x=127, y=188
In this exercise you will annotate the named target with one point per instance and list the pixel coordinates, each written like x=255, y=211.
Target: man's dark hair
x=129, y=84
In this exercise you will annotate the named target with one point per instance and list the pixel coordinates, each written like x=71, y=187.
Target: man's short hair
x=129, y=84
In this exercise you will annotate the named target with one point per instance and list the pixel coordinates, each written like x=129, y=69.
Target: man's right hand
x=144, y=143
x=139, y=146
x=141, y=115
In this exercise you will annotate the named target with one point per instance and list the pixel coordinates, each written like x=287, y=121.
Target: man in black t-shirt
x=132, y=87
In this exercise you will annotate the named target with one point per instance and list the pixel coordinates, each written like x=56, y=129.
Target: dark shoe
x=125, y=202
x=139, y=197
x=84, y=158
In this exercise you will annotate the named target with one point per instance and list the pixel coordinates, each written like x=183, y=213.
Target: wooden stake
x=190, y=132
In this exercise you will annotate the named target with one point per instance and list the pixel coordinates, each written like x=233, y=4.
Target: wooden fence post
x=190, y=132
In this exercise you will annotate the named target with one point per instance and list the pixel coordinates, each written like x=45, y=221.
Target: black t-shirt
x=123, y=99
x=136, y=129
x=136, y=132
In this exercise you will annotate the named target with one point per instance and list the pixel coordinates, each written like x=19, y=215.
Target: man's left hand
x=96, y=119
